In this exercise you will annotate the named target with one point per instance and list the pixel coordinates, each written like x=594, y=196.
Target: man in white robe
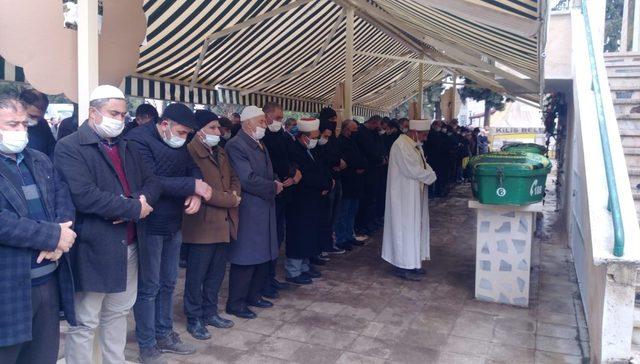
x=406, y=221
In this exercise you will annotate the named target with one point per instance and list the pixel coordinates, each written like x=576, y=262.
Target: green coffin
x=509, y=178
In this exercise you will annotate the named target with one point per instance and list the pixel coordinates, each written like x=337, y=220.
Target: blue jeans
x=158, y=271
x=345, y=219
x=295, y=267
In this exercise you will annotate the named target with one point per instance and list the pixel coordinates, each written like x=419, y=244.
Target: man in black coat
x=278, y=144
x=371, y=144
x=162, y=148
x=307, y=207
x=36, y=214
x=352, y=182
x=40, y=135
x=145, y=114
x=332, y=159
x=113, y=192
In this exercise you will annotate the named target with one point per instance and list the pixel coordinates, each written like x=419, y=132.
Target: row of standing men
x=98, y=231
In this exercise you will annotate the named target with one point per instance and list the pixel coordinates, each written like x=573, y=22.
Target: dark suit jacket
x=257, y=241
x=99, y=256
x=20, y=236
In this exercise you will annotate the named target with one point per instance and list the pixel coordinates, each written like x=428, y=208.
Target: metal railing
x=614, y=202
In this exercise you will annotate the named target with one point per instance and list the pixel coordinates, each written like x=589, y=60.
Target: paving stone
x=409, y=354
x=211, y=354
x=557, y=318
x=253, y=358
x=367, y=313
x=559, y=331
x=474, y=325
x=327, y=307
x=278, y=347
x=425, y=338
x=328, y=321
x=353, y=358
x=294, y=332
x=279, y=313
x=464, y=345
x=332, y=339
x=515, y=324
x=389, y=333
x=515, y=338
x=241, y=340
x=543, y=357
x=316, y=354
x=450, y=358
x=557, y=345
x=511, y=354
x=371, y=347
x=396, y=316
x=260, y=325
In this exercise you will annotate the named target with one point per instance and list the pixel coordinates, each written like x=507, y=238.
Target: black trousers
x=281, y=209
x=245, y=283
x=43, y=347
x=206, y=264
x=367, y=208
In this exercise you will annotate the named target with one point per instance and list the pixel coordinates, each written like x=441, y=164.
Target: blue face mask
x=294, y=131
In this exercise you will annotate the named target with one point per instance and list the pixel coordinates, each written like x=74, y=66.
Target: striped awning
x=258, y=57
x=171, y=91
x=297, y=56
x=10, y=72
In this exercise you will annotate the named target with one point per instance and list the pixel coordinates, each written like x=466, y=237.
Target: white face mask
x=13, y=141
x=259, y=133
x=173, y=141
x=109, y=127
x=211, y=140
x=275, y=126
x=312, y=143
x=32, y=122
x=405, y=130
x=381, y=132
x=323, y=141
x=227, y=135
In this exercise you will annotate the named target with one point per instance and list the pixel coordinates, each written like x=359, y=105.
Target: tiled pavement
x=359, y=313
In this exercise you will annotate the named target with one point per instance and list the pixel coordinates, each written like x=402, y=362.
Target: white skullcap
x=308, y=125
x=106, y=92
x=250, y=112
x=419, y=125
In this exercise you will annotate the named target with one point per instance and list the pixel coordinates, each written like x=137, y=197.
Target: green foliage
x=431, y=97
x=493, y=100
x=613, y=25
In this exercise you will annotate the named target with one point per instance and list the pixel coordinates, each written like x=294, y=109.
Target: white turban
x=419, y=125
x=250, y=112
x=307, y=125
x=106, y=92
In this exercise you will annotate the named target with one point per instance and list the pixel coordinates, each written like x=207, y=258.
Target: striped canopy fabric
x=10, y=72
x=267, y=50
x=257, y=52
x=259, y=57
x=161, y=90
x=524, y=8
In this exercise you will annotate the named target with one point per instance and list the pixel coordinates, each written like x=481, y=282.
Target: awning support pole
x=420, y=89
x=87, y=55
x=348, y=66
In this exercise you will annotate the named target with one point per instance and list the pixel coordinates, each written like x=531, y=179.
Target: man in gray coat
x=257, y=242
